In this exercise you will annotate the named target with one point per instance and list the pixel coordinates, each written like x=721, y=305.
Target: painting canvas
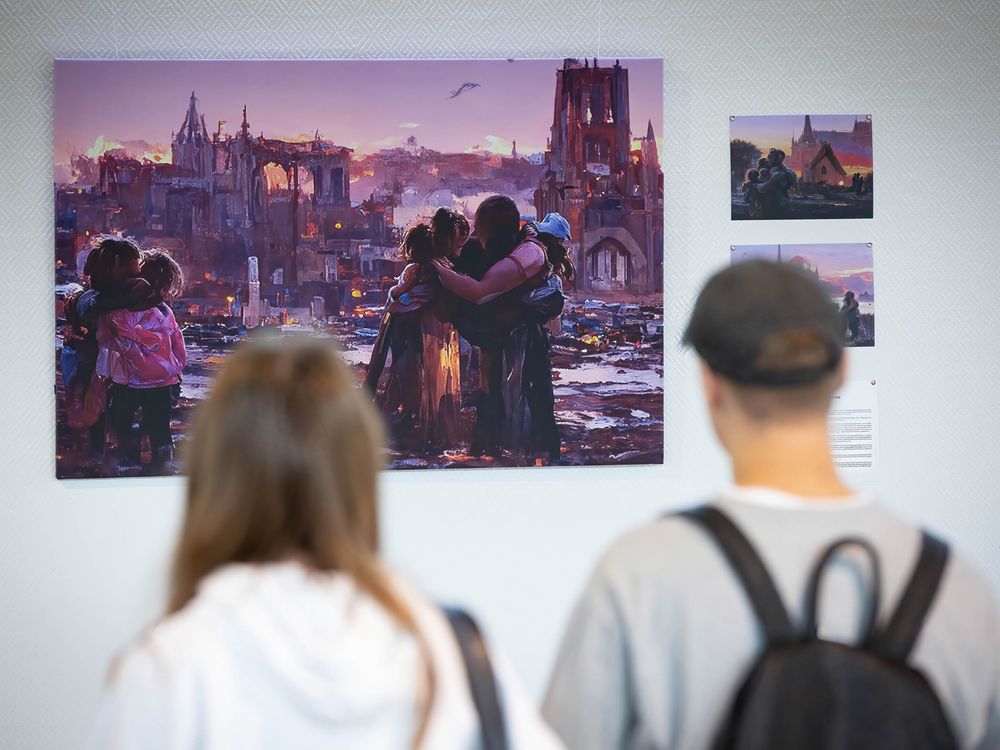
x=801, y=167
x=846, y=270
x=200, y=204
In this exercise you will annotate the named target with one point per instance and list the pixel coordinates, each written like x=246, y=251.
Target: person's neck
x=793, y=458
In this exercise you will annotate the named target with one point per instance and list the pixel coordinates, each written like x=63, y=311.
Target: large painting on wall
x=199, y=204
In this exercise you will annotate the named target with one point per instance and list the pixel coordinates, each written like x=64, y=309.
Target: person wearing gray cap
x=709, y=628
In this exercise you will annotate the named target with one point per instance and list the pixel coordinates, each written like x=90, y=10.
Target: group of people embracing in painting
x=496, y=285
x=123, y=355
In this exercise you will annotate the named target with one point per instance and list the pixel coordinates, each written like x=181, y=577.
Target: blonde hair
x=282, y=462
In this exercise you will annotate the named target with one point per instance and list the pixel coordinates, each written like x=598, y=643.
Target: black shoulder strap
x=482, y=683
x=750, y=569
x=897, y=639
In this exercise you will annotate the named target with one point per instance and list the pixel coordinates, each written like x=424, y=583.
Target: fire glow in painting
x=201, y=203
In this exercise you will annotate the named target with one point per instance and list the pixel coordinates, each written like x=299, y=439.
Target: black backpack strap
x=897, y=639
x=482, y=682
x=812, y=591
x=750, y=569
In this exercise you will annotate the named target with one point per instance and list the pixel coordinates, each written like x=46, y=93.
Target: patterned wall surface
x=82, y=564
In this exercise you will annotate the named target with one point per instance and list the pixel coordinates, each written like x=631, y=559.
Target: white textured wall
x=82, y=564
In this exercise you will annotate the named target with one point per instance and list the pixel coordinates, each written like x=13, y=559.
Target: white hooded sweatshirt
x=269, y=657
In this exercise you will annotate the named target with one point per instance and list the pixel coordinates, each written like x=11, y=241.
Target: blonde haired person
x=284, y=629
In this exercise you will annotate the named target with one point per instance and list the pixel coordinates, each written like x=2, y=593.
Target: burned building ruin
x=268, y=194
x=610, y=192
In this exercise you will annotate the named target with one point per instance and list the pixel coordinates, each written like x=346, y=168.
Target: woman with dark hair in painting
x=509, y=306
x=420, y=386
x=850, y=309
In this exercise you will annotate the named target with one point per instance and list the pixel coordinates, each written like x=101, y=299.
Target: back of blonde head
x=282, y=461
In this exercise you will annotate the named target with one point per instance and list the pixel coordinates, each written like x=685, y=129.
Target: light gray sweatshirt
x=664, y=634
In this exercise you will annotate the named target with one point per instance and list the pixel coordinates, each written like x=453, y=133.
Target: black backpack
x=805, y=693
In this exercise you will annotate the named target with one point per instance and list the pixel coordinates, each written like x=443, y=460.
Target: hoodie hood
x=277, y=656
x=313, y=639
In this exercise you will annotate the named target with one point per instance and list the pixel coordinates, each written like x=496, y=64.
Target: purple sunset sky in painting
x=365, y=104
x=848, y=263
x=775, y=131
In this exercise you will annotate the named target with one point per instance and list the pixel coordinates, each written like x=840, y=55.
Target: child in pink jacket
x=143, y=354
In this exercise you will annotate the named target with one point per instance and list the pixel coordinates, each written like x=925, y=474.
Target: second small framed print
x=845, y=270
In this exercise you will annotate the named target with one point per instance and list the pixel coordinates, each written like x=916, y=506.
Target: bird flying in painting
x=463, y=88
